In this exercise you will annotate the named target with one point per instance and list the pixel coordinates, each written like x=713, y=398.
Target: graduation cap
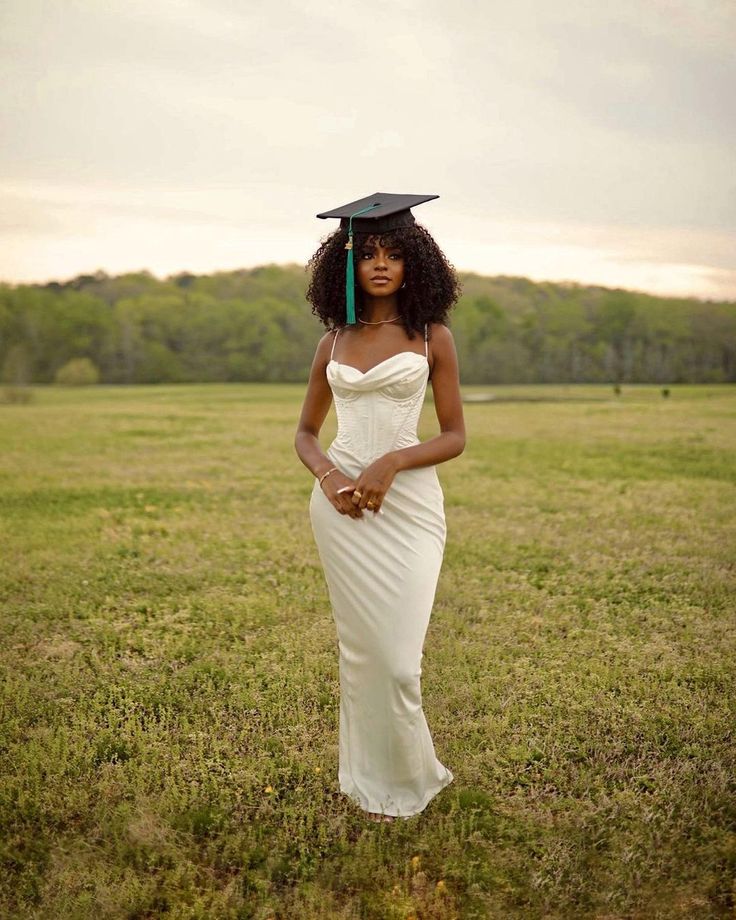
x=378, y=213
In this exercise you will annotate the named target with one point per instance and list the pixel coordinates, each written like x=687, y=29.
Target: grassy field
x=170, y=684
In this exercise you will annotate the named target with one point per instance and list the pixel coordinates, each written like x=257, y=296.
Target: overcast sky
x=567, y=139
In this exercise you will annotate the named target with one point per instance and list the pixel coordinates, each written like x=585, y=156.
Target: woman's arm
x=306, y=442
x=448, y=406
x=375, y=480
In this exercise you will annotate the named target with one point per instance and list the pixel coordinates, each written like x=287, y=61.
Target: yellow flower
x=416, y=862
x=440, y=887
x=318, y=769
x=268, y=789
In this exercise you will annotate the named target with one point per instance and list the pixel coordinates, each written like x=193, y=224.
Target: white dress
x=381, y=572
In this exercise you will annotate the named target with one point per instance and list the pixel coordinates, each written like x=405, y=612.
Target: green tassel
x=350, y=283
x=350, y=269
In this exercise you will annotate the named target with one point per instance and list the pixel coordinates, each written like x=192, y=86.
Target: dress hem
x=357, y=799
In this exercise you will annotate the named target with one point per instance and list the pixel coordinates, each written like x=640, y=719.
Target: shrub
x=12, y=394
x=77, y=373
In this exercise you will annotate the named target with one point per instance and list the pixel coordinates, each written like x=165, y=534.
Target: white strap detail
x=337, y=332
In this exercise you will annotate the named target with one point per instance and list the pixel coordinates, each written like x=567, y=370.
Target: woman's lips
x=380, y=280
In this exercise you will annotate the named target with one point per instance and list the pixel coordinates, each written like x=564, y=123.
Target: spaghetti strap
x=426, y=353
x=337, y=332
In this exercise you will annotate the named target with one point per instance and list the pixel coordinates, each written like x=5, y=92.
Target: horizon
x=562, y=282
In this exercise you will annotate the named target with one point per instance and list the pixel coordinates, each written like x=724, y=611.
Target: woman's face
x=379, y=269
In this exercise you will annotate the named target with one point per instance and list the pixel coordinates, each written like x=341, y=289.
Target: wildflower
x=318, y=769
x=416, y=862
x=440, y=887
x=268, y=789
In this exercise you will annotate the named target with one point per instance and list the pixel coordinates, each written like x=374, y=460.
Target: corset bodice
x=378, y=411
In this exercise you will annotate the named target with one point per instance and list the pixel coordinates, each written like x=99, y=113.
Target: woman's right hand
x=341, y=501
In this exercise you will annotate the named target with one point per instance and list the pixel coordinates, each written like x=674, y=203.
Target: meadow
x=170, y=686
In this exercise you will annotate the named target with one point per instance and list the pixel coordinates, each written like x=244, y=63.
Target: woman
x=377, y=508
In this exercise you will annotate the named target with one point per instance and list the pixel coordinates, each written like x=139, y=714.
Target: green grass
x=170, y=684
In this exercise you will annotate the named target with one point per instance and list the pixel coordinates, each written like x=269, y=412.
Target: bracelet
x=325, y=475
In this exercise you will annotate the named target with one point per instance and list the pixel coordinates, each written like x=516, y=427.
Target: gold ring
x=359, y=494
x=370, y=505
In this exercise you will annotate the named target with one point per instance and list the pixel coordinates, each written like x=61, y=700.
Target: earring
x=403, y=285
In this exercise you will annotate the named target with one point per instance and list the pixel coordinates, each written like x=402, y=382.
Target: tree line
x=255, y=325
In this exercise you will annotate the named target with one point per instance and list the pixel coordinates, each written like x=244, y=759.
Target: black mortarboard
x=378, y=213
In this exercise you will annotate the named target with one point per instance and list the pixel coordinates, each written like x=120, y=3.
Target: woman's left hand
x=374, y=482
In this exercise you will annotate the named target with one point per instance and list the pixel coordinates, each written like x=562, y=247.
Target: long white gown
x=381, y=572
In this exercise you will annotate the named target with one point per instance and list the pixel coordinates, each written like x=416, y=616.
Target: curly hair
x=431, y=284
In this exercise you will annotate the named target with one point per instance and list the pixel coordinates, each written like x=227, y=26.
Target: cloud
x=613, y=123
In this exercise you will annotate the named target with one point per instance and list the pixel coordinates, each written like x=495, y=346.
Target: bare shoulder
x=324, y=346
x=439, y=332
x=441, y=339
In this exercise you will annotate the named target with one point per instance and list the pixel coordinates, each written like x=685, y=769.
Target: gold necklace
x=378, y=323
